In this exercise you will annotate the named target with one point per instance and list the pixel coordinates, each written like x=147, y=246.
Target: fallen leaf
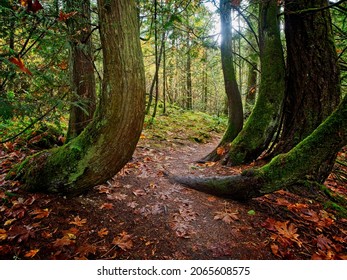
x=117, y=196
x=221, y=151
x=40, y=213
x=288, y=231
x=139, y=192
x=71, y=232
x=65, y=241
x=3, y=234
x=78, y=221
x=103, y=232
x=86, y=249
x=8, y=222
x=274, y=249
x=226, y=216
x=123, y=241
x=103, y=189
x=31, y=253
x=106, y=206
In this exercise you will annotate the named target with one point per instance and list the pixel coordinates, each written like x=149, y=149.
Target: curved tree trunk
x=82, y=68
x=312, y=90
x=284, y=170
x=263, y=122
x=234, y=101
x=107, y=143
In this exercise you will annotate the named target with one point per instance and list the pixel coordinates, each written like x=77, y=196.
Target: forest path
x=140, y=214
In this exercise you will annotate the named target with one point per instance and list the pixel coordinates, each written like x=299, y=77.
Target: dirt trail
x=139, y=214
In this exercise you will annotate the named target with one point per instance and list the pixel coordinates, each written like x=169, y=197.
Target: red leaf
x=36, y=6
x=19, y=62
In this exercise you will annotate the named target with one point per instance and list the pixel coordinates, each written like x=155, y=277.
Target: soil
x=140, y=214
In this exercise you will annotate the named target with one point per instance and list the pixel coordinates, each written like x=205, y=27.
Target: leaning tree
x=108, y=142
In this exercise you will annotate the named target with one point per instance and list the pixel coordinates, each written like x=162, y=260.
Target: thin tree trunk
x=235, y=121
x=82, y=68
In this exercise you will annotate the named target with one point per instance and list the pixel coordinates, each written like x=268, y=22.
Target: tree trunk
x=81, y=67
x=264, y=119
x=312, y=90
x=108, y=142
x=235, y=110
x=284, y=170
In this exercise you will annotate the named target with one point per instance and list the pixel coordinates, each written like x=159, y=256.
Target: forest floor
x=140, y=214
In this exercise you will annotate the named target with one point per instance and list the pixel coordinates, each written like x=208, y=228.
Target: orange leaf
x=3, y=234
x=78, y=221
x=20, y=64
x=103, y=232
x=221, y=151
x=65, y=241
x=31, y=253
x=41, y=213
x=64, y=17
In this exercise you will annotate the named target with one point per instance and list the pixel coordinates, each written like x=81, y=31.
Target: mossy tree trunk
x=83, y=100
x=312, y=86
x=234, y=101
x=264, y=119
x=284, y=170
x=108, y=142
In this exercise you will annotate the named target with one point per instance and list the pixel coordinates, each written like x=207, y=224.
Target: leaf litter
x=139, y=214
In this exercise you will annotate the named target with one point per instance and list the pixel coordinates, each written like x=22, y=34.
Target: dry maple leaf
x=103, y=189
x=103, y=232
x=31, y=253
x=288, y=231
x=123, y=241
x=78, y=221
x=65, y=241
x=117, y=196
x=226, y=216
x=40, y=213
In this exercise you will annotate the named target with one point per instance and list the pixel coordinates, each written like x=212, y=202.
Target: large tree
x=108, y=142
x=312, y=85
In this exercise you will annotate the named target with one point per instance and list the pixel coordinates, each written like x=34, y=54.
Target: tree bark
x=284, y=170
x=312, y=86
x=108, y=142
x=82, y=69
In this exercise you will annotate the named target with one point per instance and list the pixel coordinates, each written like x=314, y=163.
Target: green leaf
x=251, y=212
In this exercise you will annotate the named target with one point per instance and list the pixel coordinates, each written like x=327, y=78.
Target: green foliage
x=180, y=125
